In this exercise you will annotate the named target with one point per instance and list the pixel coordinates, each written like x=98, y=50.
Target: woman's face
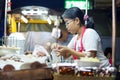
x=108, y=55
x=71, y=25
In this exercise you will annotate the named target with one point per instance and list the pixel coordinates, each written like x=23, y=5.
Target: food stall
x=45, y=72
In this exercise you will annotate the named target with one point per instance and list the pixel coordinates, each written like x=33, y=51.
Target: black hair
x=74, y=12
x=108, y=50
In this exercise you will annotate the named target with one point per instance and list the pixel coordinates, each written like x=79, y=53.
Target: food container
x=86, y=71
x=65, y=68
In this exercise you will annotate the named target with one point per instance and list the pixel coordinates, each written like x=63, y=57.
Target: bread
x=8, y=67
x=36, y=65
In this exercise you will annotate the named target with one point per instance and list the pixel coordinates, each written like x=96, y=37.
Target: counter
x=74, y=77
x=44, y=74
x=32, y=74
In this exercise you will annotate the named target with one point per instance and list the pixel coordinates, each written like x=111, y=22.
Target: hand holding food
x=62, y=50
x=54, y=46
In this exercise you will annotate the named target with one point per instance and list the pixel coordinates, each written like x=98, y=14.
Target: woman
x=108, y=54
x=86, y=41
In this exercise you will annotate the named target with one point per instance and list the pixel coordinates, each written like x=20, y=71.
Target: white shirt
x=90, y=41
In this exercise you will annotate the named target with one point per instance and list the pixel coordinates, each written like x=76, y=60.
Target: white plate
x=87, y=63
x=8, y=50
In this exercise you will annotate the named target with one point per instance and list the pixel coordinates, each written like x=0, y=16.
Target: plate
x=8, y=50
x=87, y=63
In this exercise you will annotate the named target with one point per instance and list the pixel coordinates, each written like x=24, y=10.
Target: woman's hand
x=54, y=46
x=62, y=50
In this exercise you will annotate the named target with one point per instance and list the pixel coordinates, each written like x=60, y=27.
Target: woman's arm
x=67, y=52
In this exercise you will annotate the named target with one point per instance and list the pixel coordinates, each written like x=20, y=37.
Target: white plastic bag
x=41, y=49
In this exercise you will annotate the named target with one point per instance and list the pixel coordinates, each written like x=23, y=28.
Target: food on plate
x=28, y=52
x=66, y=70
x=90, y=59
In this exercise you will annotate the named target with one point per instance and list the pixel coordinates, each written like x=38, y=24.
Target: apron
x=81, y=44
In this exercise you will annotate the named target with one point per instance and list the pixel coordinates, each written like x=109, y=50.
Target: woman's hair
x=74, y=12
x=108, y=50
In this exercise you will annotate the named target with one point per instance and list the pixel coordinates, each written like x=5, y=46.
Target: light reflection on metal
x=113, y=31
x=86, y=11
x=5, y=22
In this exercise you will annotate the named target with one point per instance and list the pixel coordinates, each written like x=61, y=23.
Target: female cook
x=86, y=41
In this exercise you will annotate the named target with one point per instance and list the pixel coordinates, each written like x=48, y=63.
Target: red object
x=81, y=44
x=110, y=61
